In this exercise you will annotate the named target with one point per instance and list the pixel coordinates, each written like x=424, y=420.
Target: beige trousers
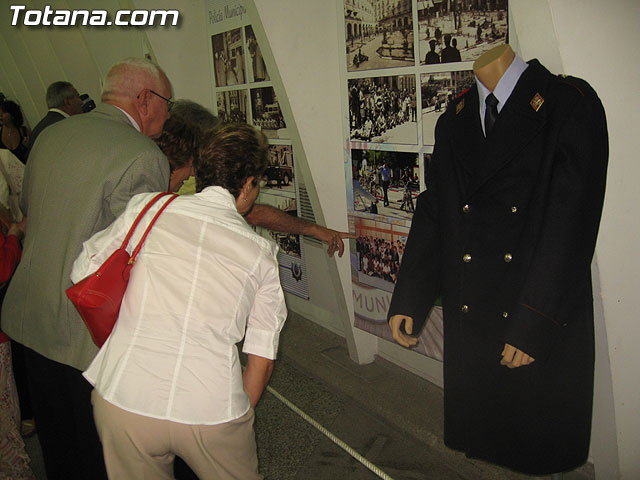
x=143, y=448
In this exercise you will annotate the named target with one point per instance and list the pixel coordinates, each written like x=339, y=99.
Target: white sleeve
x=268, y=312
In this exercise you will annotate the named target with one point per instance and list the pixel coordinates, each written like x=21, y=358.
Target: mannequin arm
x=513, y=357
x=395, y=322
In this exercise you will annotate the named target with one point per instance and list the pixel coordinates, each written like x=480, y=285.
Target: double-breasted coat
x=506, y=231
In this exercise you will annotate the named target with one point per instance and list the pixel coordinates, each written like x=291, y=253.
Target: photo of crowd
x=266, y=112
x=383, y=109
x=228, y=58
x=437, y=91
x=379, y=34
x=258, y=71
x=460, y=30
x=232, y=106
x=379, y=250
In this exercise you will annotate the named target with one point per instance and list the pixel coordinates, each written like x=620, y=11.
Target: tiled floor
x=389, y=416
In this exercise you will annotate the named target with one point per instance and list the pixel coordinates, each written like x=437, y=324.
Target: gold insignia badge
x=459, y=106
x=536, y=102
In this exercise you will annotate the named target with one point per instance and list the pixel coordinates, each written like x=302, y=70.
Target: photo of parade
x=379, y=34
x=385, y=183
x=266, y=112
x=383, y=109
x=379, y=250
x=279, y=175
x=258, y=69
x=228, y=58
x=437, y=91
x=232, y=106
x=460, y=30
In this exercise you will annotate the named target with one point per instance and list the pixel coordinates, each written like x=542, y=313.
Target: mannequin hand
x=395, y=322
x=514, y=358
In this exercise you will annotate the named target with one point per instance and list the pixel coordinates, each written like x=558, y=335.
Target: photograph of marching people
x=228, y=58
x=279, y=175
x=379, y=34
x=232, y=106
x=375, y=260
x=437, y=90
x=266, y=112
x=258, y=69
x=383, y=109
x=385, y=183
x=460, y=30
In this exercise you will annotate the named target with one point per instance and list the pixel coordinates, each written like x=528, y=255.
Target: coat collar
x=517, y=124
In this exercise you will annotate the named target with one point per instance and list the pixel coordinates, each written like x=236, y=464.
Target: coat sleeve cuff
x=533, y=332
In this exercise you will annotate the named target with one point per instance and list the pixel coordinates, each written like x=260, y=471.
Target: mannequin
x=491, y=65
x=505, y=233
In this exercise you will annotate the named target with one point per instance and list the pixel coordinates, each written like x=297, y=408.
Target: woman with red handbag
x=168, y=381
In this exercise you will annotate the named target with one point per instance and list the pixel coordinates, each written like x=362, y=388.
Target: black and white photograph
x=385, y=183
x=460, y=30
x=232, y=106
x=279, y=174
x=228, y=58
x=266, y=113
x=379, y=250
x=383, y=109
x=257, y=67
x=437, y=91
x=379, y=34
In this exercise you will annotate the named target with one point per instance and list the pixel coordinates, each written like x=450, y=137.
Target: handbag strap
x=125, y=242
x=132, y=259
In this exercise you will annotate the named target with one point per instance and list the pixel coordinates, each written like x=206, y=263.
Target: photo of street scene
x=460, y=30
x=379, y=34
x=279, y=174
x=232, y=106
x=228, y=58
x=438, y=90
x=383, y=109
x=379, y=250
x=266, y=112
x=385, y=183
x=258, y=69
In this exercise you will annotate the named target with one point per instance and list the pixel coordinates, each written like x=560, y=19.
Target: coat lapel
x=518, y=123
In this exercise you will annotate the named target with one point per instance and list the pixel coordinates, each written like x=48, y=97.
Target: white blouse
x=203, y=281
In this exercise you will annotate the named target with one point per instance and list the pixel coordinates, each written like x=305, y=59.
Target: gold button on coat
x=514, y=209
x=505, y=314
x=466, y=209
x=508, y=257
x=465, y=308
x=466, y=257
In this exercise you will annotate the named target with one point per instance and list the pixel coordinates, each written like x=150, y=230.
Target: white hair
x=128, y=77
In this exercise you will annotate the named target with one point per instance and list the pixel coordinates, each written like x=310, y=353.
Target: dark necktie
x=490, y=114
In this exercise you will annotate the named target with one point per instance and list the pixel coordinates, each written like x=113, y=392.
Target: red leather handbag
x=98, y=296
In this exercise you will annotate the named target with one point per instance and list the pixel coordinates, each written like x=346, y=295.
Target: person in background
x=63, y=101
x=14, y=135
x=80, y=176
x=14, y=461
x=180, y=141
x=168, y=381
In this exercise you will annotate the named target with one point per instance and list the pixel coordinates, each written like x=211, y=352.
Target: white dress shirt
x=203, y=281
x=503, y=89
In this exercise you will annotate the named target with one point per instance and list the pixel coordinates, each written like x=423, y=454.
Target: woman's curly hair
x=13, y=109
x=229, y=155
x=179, y=141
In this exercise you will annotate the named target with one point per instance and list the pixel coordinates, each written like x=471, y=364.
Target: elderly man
x=63, y=101
x=80, y=176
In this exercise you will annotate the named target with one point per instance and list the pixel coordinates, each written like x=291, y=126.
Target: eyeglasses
x=168, y=100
